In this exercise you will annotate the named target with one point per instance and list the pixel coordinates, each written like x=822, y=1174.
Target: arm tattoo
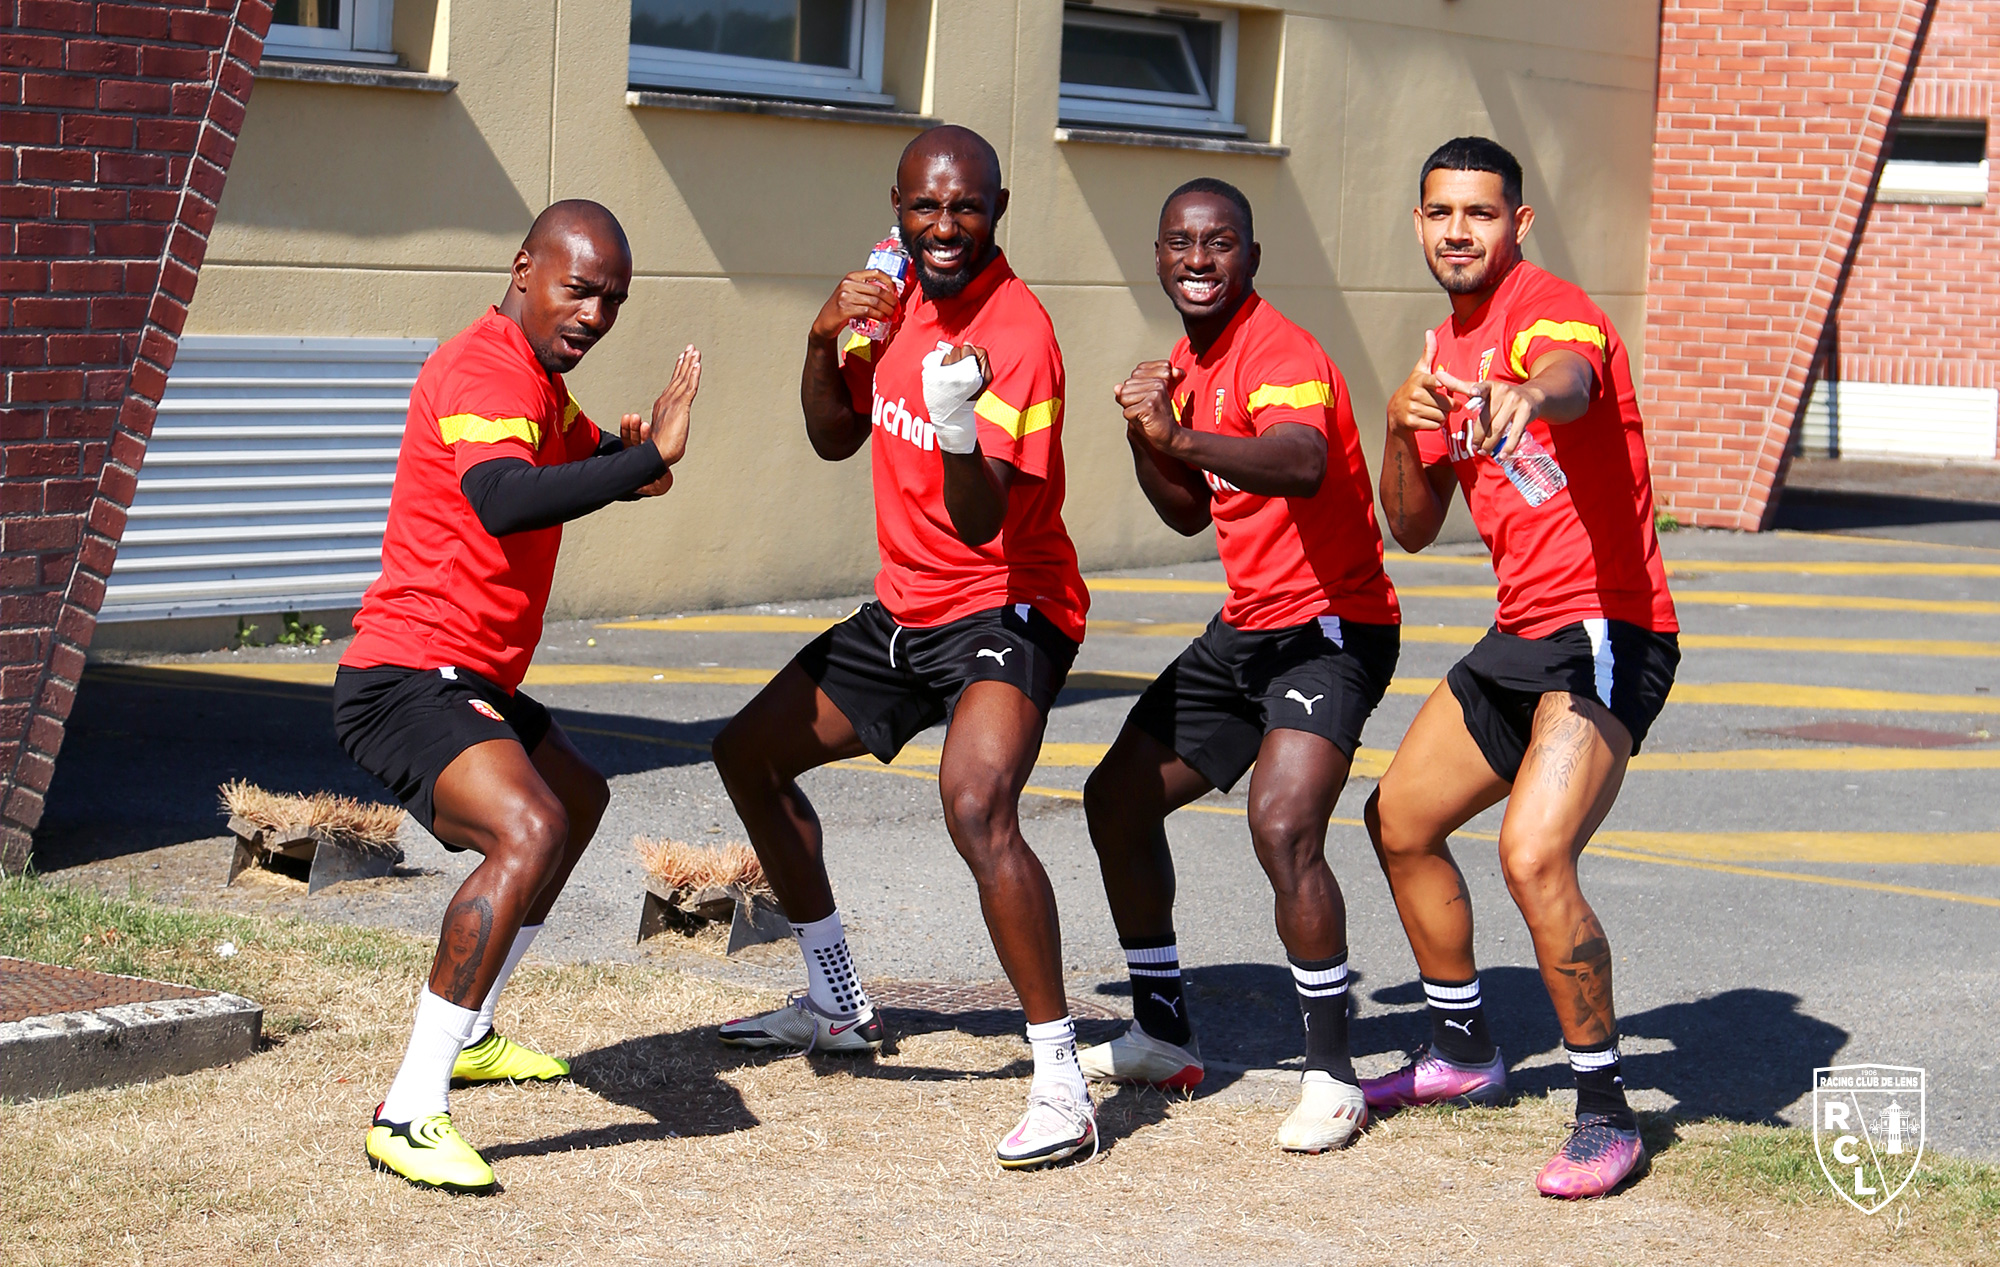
x=468, y=931
x=1588, y=974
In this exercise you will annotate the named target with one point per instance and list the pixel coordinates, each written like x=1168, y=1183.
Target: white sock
x=423, y=1085
x=1054, y=1044
x=831, y=982
x=522, y=940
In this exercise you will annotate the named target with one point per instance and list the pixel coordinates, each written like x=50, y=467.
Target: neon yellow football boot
x=497, y=1059
x=430, y=1153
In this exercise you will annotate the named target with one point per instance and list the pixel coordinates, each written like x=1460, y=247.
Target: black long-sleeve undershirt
x=513, y=495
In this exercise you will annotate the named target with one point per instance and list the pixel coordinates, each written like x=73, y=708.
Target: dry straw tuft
x=363, y=825
x=679, y=865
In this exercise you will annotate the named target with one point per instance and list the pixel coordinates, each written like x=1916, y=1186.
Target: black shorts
x=1501, y=681
x=1215, y=703
x=894, y=683
x=404, y=726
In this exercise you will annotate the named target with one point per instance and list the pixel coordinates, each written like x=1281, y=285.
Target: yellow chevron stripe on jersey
x=1292, y=396
x=570, y=411
x=1019, y=423
x=478, y=430
x=853, y=344
x=1560, y=331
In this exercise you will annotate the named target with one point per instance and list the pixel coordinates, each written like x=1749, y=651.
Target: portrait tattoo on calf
x=468, y=930
x=1588, y=972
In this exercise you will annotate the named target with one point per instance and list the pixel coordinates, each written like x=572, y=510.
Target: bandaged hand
x=949, y=393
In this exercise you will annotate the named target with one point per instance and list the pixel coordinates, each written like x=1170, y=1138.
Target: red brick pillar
x=117, y=124
x=1771, y=118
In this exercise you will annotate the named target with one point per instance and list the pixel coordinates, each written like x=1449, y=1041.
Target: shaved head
x=570, y=277
x=956, y=145
x=574, y=218
x=949, y=199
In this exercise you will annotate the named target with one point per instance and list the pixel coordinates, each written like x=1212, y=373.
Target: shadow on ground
x=146, y=749
x=671, y=1078
x=1742, y=1055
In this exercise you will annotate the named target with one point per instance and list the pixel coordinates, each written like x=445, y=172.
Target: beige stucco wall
x=370, y=211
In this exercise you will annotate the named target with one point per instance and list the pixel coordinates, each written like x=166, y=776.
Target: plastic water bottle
x=1530, y=468
x=888, y=257
x=1533, y=470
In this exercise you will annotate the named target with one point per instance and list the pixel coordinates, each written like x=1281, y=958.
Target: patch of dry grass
x=364, y=825
x=668, y=1148
x=676, y=864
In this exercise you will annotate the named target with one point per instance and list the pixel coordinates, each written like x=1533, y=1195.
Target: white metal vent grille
x=1901, y=420
x=266, y=483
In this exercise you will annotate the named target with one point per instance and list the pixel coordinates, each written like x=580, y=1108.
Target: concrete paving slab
x=64, y=1029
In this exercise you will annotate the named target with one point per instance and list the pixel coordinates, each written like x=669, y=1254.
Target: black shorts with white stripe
x=1501, y=681
x=892, y=683
x=1216, y=702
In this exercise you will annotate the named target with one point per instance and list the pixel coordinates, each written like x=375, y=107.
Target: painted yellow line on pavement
x=1893, y=542
x=1455, y=635
x=1738, y=694
x=1466, y=635
x=1764, y=567
x=1885, y=848
x=729, y=624
x=1758, y=598
x=1840, y=698
x=1800, y=877
x=1152, y=585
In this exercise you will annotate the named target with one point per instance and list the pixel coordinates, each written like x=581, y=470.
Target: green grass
x=1951, y=1202
x=1664, y=521
x=80, y=928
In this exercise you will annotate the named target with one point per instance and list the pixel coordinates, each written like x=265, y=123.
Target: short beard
x=1463, y=281
x=946, y=285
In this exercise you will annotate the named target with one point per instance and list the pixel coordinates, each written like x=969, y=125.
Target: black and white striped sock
x=1600, y=1083
x=1157, y=1003
x=1458, y=1021
x=1322, y=987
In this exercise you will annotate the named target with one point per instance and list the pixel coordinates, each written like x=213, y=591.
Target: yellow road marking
x=1697, y=567
x=1865, y=539
x=1369, y=763
x=1465, y=635
x=1689, y=598
x=1886, y=848
x=1756, y=598
x=1738, y=694
x=1456, y=635
x=729, y=624
x=1843, y=698
x=1800, y=877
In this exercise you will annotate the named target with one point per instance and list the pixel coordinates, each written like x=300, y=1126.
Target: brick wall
x=1922, y=304
x=117, y=123
x=1771, y=119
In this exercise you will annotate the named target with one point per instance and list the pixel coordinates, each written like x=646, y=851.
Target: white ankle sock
x=522, y=940
x=1054, y=1044
x=423, y=1084
x=831, y=982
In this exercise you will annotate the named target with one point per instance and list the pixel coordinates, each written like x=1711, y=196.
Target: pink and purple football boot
x=1597, y=1157
x=1431, y=1079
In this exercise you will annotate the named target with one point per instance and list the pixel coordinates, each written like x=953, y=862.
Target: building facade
x=374, y=205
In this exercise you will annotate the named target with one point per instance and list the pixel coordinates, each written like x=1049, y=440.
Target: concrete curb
x=128, y=1042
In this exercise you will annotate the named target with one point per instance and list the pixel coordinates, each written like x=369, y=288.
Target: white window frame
x=1926, y=181
x=1157, y=111
x=362, y=36
x=651, y=66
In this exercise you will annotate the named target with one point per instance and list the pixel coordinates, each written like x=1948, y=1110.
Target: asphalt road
x=1775, y=901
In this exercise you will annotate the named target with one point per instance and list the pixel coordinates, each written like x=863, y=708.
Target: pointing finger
x=1430, y=352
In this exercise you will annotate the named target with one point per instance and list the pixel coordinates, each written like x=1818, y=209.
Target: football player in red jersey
x=496, y=457
x=1247, y=426
x=978, y=615
x=1524, y=398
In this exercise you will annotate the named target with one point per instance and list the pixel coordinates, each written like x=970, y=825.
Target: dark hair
x=1475, y=154
x=1221, y=189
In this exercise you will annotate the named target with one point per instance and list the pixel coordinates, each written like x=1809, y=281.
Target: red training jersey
x=1288, y=559
x=451, y=593
x=929, y=576
x=1590, y=550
